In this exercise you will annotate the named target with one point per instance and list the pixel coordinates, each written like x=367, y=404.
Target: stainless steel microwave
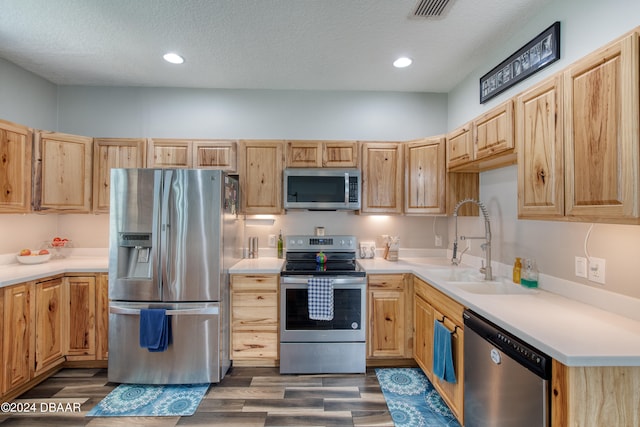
x=321, y=189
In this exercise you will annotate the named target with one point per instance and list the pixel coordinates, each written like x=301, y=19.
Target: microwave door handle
x=346, y=188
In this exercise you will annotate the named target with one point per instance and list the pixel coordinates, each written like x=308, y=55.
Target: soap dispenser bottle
x=517, y=270
x=280, y=246
x=530, y=274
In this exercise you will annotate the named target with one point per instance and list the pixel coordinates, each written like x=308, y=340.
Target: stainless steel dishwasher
x=506, y=381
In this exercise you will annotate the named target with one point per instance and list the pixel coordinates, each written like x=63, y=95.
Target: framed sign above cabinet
x=539, y=53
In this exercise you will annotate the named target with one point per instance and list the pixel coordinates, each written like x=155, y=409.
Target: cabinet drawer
x=255, y=318
x=451, y=309
x=241, y=283
x=255, y=299
x=249, y=345
x=387, y=281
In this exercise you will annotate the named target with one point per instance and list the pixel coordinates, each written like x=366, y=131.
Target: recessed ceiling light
x=402, y=62
x=174, y=58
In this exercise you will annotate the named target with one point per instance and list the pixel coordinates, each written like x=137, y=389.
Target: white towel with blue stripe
x=320, y=291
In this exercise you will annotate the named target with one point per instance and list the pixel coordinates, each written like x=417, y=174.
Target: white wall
x=26, y=98
x=585, y=26
x=251, y=114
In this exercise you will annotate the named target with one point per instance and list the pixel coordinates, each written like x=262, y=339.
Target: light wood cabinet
x=16, y=144
x=81, y=312
x=460, y=146
x=254, y=320
x=423, y=335
x=539, y=136
x=17, y=336
x=262, y=163
x=390, y=316
x=49, y=324
x=316, y=154
x=382, y=177
x=485, y=143
x=109, y=153
x=594, y=396
x=63, y=171
x=102, y=316
x=169, y=153
x=215, y=155
x=432, y=305
x=493, y=131
x=198, y=154
x=425, y=176
x=601, y=134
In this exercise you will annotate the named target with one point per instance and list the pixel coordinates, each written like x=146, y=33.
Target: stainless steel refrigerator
x=174, y=233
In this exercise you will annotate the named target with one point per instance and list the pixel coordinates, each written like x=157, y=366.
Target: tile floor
x=246, y=397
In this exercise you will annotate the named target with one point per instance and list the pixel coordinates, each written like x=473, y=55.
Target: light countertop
x=572, y=332
x=263, y=265
x=13, y=273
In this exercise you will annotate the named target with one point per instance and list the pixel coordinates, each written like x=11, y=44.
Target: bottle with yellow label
x=517, y=270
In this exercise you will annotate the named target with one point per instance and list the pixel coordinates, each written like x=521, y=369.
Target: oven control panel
x=327, y=243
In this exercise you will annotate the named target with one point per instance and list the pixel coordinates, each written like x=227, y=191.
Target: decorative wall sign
x=540, y=52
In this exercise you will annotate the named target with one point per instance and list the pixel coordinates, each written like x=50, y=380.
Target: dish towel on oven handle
x=442, y=353
x=320, y=292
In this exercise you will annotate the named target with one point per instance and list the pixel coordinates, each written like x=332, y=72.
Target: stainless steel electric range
x=322, y=346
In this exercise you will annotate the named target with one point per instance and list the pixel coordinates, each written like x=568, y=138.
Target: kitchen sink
x=494, y=288
x=457, y=274
x=472, y=281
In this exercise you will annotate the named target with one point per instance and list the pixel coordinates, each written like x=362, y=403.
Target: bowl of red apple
x=28, y=256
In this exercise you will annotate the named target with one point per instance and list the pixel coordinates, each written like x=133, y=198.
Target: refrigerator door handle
x=165, y=228
x=177, y=312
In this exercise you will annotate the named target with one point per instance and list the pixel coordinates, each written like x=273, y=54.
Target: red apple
x=43, y=252
x=25, y=252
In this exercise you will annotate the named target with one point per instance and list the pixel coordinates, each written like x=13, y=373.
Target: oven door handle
x=303, y=280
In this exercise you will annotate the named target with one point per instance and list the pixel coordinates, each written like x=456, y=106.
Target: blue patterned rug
x=135, y=400
x=412, y=400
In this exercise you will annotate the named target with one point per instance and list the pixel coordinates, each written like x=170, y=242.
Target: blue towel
x=320, y=293
x=155, y=329
x=442, y=354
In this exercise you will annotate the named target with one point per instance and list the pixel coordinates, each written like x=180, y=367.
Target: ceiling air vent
x=432, y=8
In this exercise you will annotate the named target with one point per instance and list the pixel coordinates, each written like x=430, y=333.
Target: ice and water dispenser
x=135, y=250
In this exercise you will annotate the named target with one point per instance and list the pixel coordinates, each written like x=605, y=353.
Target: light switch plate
x=596, y=270
x=581, y=267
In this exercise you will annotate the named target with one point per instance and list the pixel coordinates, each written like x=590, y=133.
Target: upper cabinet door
x=425, y=176
x=261, y=176
x=493, y=131
x=109, y=153
x=63, y=172
x=304, y=154
x=601, y=133
x=169, y=153
x=459, y=146
x=382, y=177
x=16, y=144
x=215, y=155
x=539, y=137
x=340, y=154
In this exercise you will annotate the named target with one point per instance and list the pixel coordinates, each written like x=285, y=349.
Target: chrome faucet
x=486, y=246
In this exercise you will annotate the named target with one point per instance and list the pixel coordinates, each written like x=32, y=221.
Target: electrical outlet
x=596, y=270
x=272, y=240
x=438, y=241
x=581, y=266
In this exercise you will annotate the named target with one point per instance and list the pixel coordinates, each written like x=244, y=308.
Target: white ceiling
x=256, y=44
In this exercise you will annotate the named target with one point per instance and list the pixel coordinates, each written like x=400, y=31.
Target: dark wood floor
x=246, y=397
